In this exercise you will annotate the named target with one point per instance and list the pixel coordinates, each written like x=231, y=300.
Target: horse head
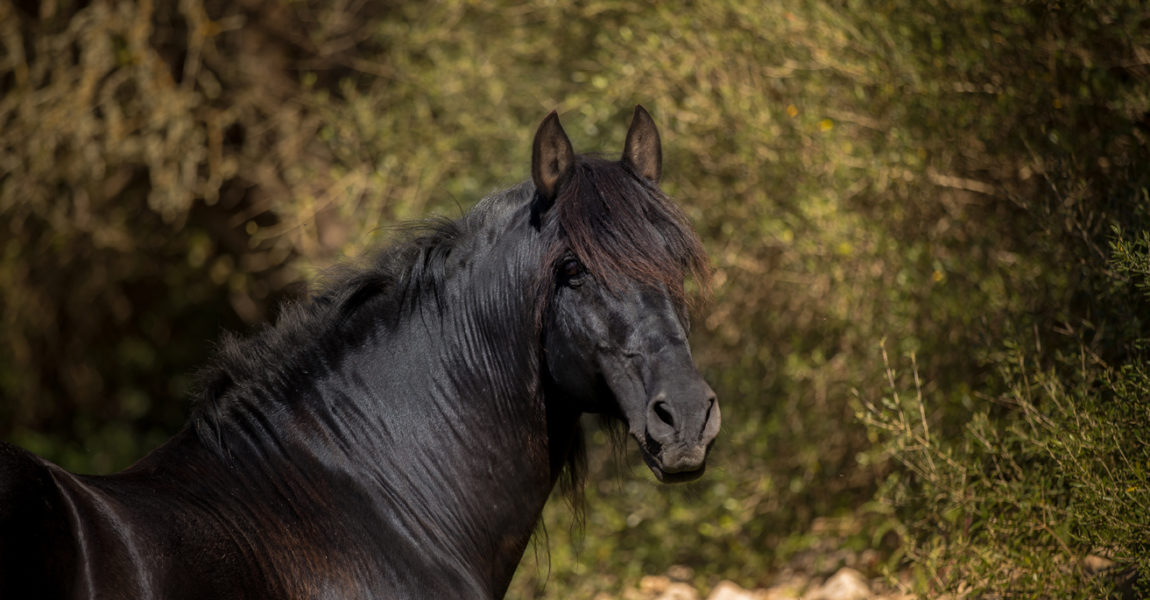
x=615, y=323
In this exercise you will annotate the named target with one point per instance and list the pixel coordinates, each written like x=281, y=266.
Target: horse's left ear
x=642, y=150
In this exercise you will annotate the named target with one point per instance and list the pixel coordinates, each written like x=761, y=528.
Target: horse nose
x=684, y=428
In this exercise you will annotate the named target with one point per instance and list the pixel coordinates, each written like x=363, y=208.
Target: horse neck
x=450, y=430
x=425, y=435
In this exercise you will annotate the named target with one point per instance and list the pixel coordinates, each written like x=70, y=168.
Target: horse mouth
x=656, y=465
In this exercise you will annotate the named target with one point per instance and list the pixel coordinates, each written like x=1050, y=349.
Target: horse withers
x=398, y=435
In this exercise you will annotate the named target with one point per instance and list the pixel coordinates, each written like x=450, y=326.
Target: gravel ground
x=808, y=579
x=844, y=584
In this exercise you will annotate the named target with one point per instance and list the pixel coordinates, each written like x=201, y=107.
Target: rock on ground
x=846, y=584
x=727, y=590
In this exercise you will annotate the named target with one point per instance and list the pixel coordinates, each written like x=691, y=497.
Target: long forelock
x=623, y=228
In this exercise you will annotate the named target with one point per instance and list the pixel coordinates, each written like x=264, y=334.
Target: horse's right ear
x=552, y=161
x=642, y=151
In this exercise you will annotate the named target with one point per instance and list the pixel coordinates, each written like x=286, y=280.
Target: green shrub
x=1008, y=485
x=1049, y=471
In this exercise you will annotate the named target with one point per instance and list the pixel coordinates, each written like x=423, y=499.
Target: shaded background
x=927, y=221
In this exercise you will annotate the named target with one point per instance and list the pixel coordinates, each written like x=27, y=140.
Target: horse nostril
x=711, y=421
x=664, y=413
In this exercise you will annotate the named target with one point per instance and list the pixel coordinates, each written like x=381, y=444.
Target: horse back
x=37, y=545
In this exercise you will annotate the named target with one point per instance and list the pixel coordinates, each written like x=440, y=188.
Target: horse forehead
x=634, y=303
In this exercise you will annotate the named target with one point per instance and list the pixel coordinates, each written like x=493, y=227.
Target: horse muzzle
x=679, y=432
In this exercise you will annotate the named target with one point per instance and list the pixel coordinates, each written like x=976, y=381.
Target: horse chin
x=656, y=466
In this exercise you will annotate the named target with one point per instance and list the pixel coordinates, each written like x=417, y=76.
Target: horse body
x=398, y=436
x=371, y=450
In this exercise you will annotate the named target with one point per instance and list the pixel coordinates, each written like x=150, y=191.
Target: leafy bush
x=1010, y=487
x=1044, y=474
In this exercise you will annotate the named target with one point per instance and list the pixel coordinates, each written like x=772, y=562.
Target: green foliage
x=965, y=180
x=1007, y=490
x=1018, y=500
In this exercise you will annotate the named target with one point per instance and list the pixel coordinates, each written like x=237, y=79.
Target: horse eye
x=571, y=268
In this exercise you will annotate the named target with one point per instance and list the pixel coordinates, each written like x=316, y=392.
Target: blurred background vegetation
x=927, y=218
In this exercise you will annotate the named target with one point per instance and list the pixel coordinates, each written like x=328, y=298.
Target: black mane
x=310, y=335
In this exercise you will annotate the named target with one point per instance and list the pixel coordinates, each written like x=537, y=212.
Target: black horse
x=398, y=435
